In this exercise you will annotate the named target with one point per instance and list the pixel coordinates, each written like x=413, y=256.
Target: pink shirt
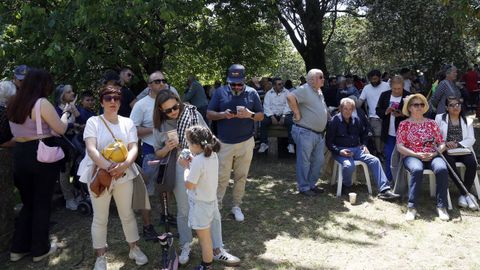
x=419, y=137
x=28, y=128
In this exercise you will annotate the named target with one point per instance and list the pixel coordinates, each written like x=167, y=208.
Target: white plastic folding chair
x=338, y=176
x=432, y=181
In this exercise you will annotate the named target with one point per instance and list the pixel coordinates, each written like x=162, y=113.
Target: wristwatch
x=252, y=115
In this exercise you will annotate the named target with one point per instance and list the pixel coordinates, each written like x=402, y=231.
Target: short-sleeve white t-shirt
x=394, y=103
x=371, y=95
x=204, y=173
x=125, y=130
x=142, y=116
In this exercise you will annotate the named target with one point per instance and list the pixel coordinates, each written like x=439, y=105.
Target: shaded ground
x=284, y=230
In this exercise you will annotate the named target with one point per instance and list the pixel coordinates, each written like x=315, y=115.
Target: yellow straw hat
x=409, y=99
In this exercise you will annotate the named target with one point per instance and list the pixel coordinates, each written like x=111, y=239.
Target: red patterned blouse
x=419, y=137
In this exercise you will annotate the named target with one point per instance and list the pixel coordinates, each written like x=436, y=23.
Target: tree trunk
x=6, y=199
x=314, y=57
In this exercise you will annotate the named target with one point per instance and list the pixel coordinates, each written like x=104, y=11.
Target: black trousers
x=35, y=182
x=470, y=171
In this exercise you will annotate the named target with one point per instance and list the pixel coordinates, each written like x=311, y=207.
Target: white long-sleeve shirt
x=276, y=103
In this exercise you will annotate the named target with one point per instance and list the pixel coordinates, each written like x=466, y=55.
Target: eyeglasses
x=159, y=81
x=455, y=105
x=236, y=84
x=109, y=98
x=130, y=75
x=418, y=105
x=173, y=108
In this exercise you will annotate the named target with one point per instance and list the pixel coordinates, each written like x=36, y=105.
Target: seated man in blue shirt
x=346, y=138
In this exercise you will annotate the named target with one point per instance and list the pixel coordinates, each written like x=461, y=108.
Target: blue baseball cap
x=236, y=74
x=20, y=72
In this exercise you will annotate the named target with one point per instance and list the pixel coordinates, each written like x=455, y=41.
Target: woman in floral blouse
x=417, y=140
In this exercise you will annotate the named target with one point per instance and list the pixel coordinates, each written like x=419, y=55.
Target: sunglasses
x=236, y=84
x=173, y=108
x=418, y=105
x=159, y=81
x=109, y=98
x=279, y=84
x=455, y=105
x=130, y=75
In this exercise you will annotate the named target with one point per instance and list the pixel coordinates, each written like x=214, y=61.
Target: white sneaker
x=410, y=215
x=184, y=254
x=263, y=148
x=462, y=201
x=471, y=202
x=226, y=258
x=71, y=204
x=100, y=263
x=237, y=213
x=137, y=255
x=14, y=257
x=291, y=149
x=443, y=214
x=53, y=248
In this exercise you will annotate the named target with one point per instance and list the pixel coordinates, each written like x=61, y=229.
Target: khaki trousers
x=237, y=157
x=122, y=193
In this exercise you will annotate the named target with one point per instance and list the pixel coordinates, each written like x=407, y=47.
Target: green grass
x=283, y=230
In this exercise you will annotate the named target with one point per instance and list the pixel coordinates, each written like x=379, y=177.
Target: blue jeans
x=373, y=163
x=181, y=198
x=310, y=157
x=415, y=166
x=388, y=150
x=267, y=121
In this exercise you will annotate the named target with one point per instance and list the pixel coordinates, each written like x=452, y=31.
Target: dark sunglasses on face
x=455, y=105
x=173, y=108
x=159, y=81
x=418, y=105
x=236, y=84
x=279, y=84
x=109, y=98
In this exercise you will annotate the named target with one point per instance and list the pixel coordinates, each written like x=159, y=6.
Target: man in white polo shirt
x=371, y=93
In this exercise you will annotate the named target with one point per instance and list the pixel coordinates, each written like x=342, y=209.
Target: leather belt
x=309, y=129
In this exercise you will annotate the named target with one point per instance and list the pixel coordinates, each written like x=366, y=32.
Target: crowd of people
x=353, y=119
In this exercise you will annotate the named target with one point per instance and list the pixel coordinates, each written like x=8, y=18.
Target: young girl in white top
x=201, y=182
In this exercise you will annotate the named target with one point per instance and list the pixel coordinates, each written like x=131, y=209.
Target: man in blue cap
x=235, y=107
x=19, y=74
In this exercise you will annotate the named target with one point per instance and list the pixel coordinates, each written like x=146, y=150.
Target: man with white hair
x=310, y=118
x=346, y=138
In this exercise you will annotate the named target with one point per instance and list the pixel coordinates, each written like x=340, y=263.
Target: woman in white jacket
x=457, y=131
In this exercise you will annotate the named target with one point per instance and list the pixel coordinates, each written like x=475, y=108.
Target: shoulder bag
x=45, y=153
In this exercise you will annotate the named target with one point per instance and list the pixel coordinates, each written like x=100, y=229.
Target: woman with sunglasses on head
x=458, y=133
x=98, y=134
x=418, y=139
x=171, y=114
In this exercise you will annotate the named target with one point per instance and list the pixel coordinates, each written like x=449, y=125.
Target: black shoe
x=308, y=193
x=171, y=220
x=388, y=195
x=345, y=190
x=149, y=233
x=318, y=190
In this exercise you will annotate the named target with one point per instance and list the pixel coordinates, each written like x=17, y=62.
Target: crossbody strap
x=38, y=117
x=103, y=120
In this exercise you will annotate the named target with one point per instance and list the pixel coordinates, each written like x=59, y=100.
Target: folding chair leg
x=433, y=187
x=367, y=178
x=339, y=181
x=334, y=173
x=477, y=185
x=450, y=207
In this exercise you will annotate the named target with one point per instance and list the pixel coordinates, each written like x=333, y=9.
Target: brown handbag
x=101, y=181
